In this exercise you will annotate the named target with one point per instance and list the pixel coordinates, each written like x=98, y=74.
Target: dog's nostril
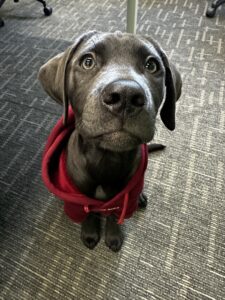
x=137, y=100
x=113, y=98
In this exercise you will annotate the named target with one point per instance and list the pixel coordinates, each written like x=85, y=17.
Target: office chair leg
x=1, y=21
x=212, y=9
x=47, y=10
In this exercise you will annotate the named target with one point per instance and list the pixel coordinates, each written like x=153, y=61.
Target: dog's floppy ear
x=53, y=74
x=173, y=85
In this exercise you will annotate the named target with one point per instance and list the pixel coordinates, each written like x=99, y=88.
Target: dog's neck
x=97, y=172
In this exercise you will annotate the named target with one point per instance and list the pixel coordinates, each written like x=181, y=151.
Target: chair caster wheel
x=210, y=13
x=47, y=11
x=16, y=1
x=2, y=23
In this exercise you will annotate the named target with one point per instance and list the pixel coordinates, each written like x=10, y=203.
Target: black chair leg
x=213, y=7
x=1, y=21
x=47, y=10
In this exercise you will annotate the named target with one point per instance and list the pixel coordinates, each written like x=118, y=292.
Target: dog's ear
x=173, y=83
x=53, y=74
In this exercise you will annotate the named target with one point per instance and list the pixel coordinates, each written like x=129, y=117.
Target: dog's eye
x=152, y=65
x=88, y=62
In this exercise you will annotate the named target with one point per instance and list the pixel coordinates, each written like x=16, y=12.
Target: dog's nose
x=123, y=96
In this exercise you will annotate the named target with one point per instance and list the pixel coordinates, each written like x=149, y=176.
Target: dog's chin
x=120, y=141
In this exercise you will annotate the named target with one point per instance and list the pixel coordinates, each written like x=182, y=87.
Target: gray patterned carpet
x=173, y=250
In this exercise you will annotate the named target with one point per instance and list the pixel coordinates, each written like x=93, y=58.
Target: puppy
x=112, y=85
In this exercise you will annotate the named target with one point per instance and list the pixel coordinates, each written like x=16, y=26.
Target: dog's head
x=115, y=83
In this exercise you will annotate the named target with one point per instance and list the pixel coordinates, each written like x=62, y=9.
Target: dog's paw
x=113, y=234
x=142, y=201
x=90, y=239
x=91, y=230
x=114, y=242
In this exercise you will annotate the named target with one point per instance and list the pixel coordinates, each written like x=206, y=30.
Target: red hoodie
x=76, y=204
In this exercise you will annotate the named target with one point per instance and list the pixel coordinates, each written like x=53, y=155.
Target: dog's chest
x=100, y=194
x=106, y=192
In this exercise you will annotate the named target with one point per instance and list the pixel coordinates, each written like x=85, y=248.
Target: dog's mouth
x=120, y=140
x=118, y=137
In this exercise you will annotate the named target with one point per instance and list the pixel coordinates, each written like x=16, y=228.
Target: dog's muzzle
x=123, y=98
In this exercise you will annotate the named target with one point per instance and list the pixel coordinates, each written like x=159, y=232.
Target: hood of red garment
x=76, y=204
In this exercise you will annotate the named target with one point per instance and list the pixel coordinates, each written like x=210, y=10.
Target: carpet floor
x=175, y=249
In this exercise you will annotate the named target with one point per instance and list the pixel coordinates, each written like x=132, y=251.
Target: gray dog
x=115, y=84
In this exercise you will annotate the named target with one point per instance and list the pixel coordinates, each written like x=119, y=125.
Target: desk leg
x=132, y=15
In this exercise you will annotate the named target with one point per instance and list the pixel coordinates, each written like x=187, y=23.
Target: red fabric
x=76, y=204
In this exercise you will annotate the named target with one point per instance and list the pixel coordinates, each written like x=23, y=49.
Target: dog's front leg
x=113, y=234
x=91, y=230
